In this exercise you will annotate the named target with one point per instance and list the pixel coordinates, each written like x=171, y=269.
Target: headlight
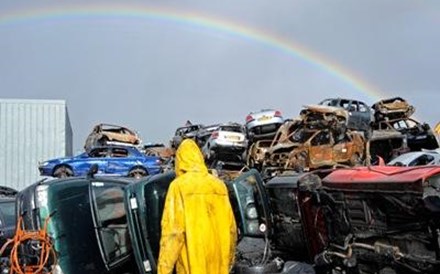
x=44, y=163
x=251, y=212
x=253, y=228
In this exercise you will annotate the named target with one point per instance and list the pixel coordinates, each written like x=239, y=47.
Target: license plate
x=231, y=137
x=264, y=118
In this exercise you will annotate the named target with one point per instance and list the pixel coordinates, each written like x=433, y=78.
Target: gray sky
x=154, y=74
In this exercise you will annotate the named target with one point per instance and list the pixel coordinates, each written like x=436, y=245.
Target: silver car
x=416, y=158
x=226, y=141
x=263, y=124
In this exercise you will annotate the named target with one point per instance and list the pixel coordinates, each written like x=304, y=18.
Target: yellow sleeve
x=173, y=230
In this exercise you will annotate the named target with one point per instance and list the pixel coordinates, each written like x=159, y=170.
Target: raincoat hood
x=189, y=158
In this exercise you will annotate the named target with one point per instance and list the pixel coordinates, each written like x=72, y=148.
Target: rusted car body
x=392, y=108
x=107, y=134
x=257, y=153
x=159, y=150
x=387, y=144
x=373, y=220
x=321, y=140
x=419, y=135
x=318, y=116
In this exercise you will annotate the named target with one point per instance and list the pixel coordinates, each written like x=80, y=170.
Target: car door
x=110, y=221
x=343, y=150
x=83, y=163
x=145, y=201
x=119, y=161
x=250, y=204
x=320, y=149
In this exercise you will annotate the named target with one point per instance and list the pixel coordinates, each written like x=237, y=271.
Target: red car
x=379, y=219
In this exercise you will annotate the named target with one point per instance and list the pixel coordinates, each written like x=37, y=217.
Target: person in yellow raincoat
x=198, y=227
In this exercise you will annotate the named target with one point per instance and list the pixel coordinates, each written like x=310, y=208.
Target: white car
x=263, y=124
x=416, y=158
x=225, y=142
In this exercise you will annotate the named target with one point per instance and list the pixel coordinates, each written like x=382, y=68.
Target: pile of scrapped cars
x=341, y=189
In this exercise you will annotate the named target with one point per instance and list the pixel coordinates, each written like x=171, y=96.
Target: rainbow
x=196, y=21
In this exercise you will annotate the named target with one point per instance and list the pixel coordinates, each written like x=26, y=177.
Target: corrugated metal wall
x=31, y=131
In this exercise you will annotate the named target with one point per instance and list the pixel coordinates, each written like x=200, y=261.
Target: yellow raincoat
x=198, y=226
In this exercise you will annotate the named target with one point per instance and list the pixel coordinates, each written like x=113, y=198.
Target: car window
x=363, y=107
x=119, y=152
x=231, y=129
x=353, y=107
x=98, y=152
x=345, y=104
x=112, y=220
x=327, y=102
x=300, y=135
x=322, y=138
x=422, y=160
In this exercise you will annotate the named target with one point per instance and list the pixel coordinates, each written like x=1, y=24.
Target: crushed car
x=392, y=108
x=386, y=145
x=111, y=160
x=158, y=150
x=395, y=114
x=107, y=134
x=257, y=151
x=381, y=219
x=419, y=135
x=321, y=141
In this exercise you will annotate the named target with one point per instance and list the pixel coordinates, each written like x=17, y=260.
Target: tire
x=63, y=172
x=137, y=172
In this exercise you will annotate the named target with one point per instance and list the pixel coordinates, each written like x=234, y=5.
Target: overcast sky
x=152, y=74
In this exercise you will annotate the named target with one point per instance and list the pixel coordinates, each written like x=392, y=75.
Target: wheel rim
x=63, y=172
x=138, y=173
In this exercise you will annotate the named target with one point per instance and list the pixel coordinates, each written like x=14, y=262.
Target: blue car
x=111, y=160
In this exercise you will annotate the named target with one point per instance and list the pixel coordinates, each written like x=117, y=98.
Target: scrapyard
x=318, y=193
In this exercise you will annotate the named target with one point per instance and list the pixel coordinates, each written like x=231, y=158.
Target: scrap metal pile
x=310, y=195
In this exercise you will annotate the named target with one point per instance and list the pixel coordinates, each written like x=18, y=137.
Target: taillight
x=249, y=118
x=278, y=113
x=214, y=135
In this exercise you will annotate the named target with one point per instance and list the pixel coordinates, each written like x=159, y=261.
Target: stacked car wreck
x=319, y=139
x=308, y=203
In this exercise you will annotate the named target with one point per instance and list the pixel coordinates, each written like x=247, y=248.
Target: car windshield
x=301, y=135
x=112, y=220
x=232, y=129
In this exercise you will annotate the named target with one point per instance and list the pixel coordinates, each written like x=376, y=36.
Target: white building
x=31, y=131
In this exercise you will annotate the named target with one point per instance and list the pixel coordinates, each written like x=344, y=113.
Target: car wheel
x=63, y=172
x=355, y=160
x=137, y=172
